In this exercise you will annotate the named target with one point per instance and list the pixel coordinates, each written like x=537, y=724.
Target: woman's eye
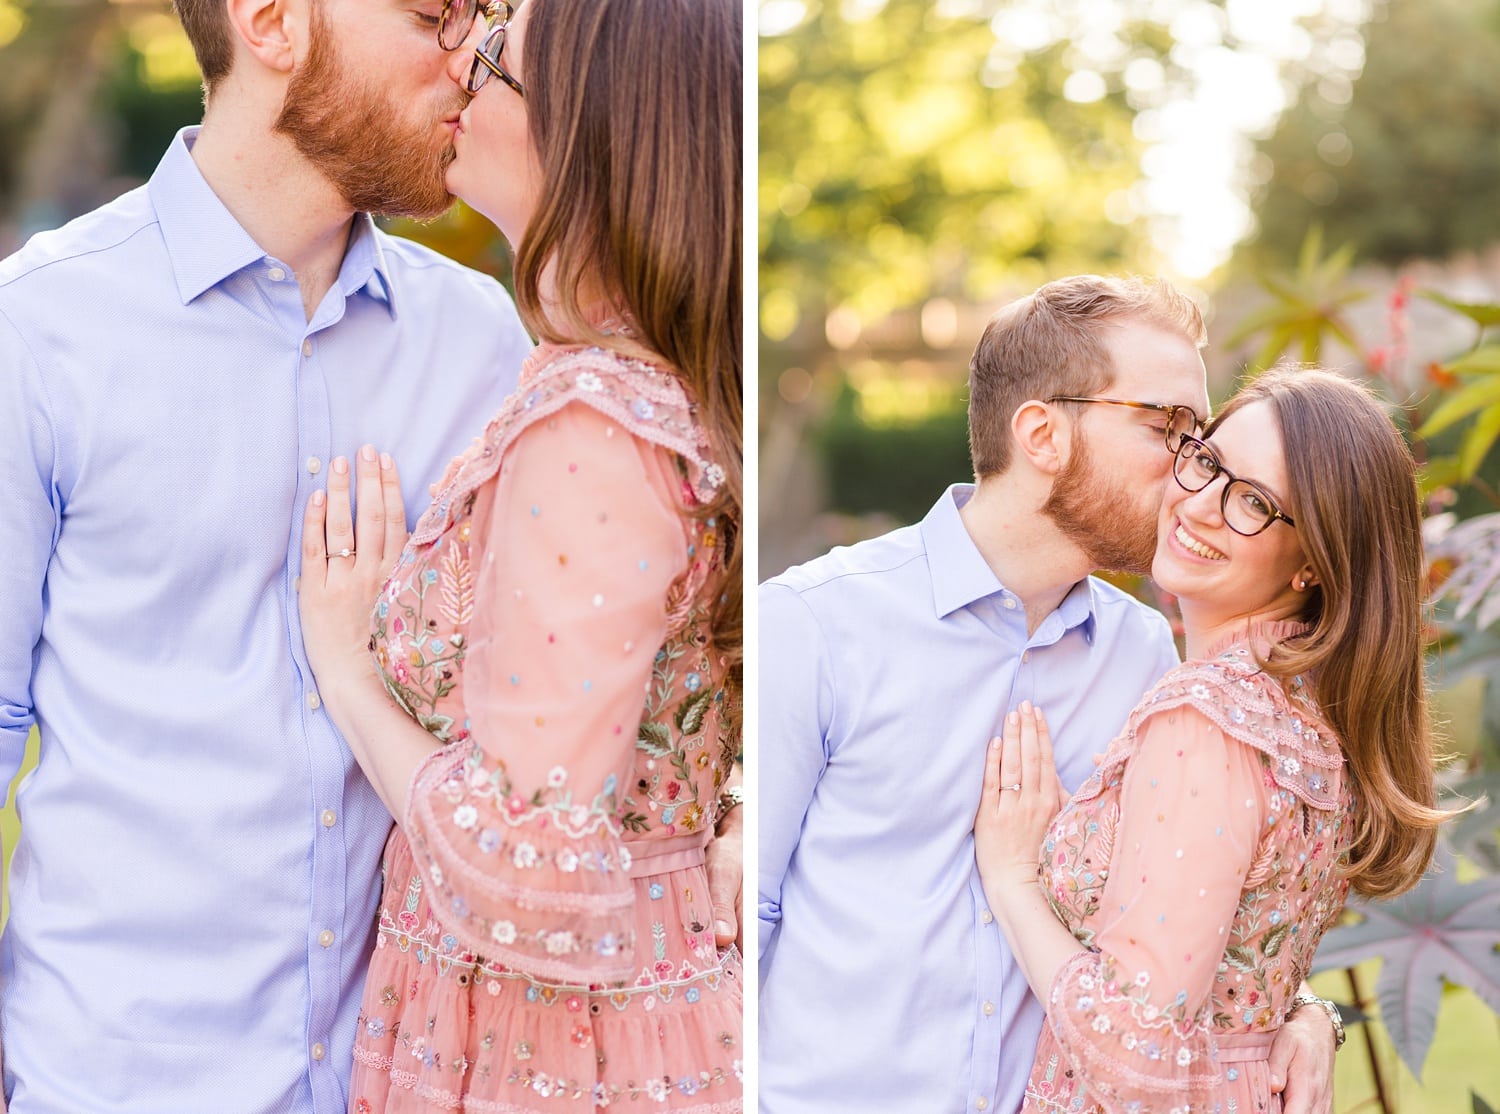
x=1255, y=503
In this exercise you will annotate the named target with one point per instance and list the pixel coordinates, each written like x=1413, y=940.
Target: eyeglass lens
x=456, y=22
x=1246, y=509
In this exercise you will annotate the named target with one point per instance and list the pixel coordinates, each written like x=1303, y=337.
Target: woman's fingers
x=369, y=533
x=395, y=507
x=340, y=526
x=314, y=554
x=1010, y=755
x=1031, y=766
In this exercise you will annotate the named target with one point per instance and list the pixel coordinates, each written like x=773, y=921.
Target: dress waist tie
x=658, y=856
x=1237, y=1048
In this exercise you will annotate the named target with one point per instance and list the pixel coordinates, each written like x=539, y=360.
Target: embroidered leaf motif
x=1241, y=958
x=654, y=739
x=690, y=715
x=439, y=726
x=1270, y=945
x=458, y=587
x=1261, y=869
x=1107, y=824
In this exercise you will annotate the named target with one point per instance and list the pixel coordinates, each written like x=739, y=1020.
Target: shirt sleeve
x=795, y=710
x=28, y=532
x=1134, y=1016
x=521, y=836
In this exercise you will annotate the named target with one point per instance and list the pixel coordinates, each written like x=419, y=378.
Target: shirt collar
x=961, y=575
x=206, y=244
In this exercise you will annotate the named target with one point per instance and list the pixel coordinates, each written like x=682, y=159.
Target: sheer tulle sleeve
x=518, y=834
x=1134, y=1015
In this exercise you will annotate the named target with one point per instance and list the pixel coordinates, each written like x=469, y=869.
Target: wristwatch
x=1329, y=1008
x=732, y=797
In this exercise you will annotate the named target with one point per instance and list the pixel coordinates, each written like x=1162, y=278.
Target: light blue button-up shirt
x=886, y=668
x=193, y=893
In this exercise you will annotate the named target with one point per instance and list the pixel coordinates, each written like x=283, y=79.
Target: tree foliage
x=898, y=161
x=1408, y=167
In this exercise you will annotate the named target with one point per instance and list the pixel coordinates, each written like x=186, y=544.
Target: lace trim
x=647, y=401
x=1083, y=979
x=543, y=1086
x=1249, y=705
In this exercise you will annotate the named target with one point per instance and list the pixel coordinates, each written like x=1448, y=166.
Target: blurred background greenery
x=1319, y=174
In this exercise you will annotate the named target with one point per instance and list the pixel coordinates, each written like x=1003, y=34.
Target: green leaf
x=1277, y=343
x=1481, y=361
x=1241, y=958
x=1480, y=1106
x=1439, y=931
x=654, y=739
x=690, y=715
x=1440, y=471
x=1270, y=945
x=1478, y=440
x=1483, y=314
x=1462, y=403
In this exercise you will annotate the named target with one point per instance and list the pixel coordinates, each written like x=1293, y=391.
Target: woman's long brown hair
x=1354, y=498
x=634, y=110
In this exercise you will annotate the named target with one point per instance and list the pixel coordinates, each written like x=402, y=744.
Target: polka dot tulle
x=1200, y=865
x=545, y=938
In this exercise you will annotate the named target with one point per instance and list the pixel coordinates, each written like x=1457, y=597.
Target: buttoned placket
x=325, y=750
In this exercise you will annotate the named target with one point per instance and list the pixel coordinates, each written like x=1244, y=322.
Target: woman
x=1183, y=889
x=561, y=634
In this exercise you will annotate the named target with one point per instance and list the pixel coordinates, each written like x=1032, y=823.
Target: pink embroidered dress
x=545, y=939
x=1200, y=864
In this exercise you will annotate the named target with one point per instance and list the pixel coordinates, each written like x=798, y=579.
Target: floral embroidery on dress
x=515, y=959
x=1119, y=1037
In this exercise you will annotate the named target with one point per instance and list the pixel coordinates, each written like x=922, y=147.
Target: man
x=192, y=895
x=887, y=667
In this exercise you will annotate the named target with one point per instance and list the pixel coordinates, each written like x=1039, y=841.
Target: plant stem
x=1361, y=1004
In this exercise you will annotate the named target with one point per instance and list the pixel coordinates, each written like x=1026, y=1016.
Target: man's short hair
x=207, y=25
x=1052, y=343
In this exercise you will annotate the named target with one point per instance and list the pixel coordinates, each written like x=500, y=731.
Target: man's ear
x=270, y=30
x=1042, y=435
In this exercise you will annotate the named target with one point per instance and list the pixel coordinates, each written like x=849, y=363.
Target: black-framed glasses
x=458, y=18
x=1245, y=506
x=487, y=58
x=1181, y=420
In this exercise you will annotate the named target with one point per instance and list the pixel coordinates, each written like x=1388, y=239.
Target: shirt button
x=314, y=465
x=981, y=1103
x=987, y=917
x=989, y=1009
x=313, y=701
x=276, y=274
x=318, y=1052
x=325, y=938
x=329, y=818
x=1010, y=605
x=307, y=348
x=296, y=584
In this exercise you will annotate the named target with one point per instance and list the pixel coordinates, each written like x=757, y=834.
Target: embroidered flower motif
x=588, y=381
x=713, y=476
x=567, y=860
x=524, y=856
x=376, y=1028
x=503, y=932
x=687, y=1085
x=643, y=410
x=489, y=841
x=466, y=816
x=560, y=943
x=1184, y=1057
x=1101, y=1023
x=557, y=777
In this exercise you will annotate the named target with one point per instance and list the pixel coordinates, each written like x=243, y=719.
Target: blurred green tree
x=1402, y=165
